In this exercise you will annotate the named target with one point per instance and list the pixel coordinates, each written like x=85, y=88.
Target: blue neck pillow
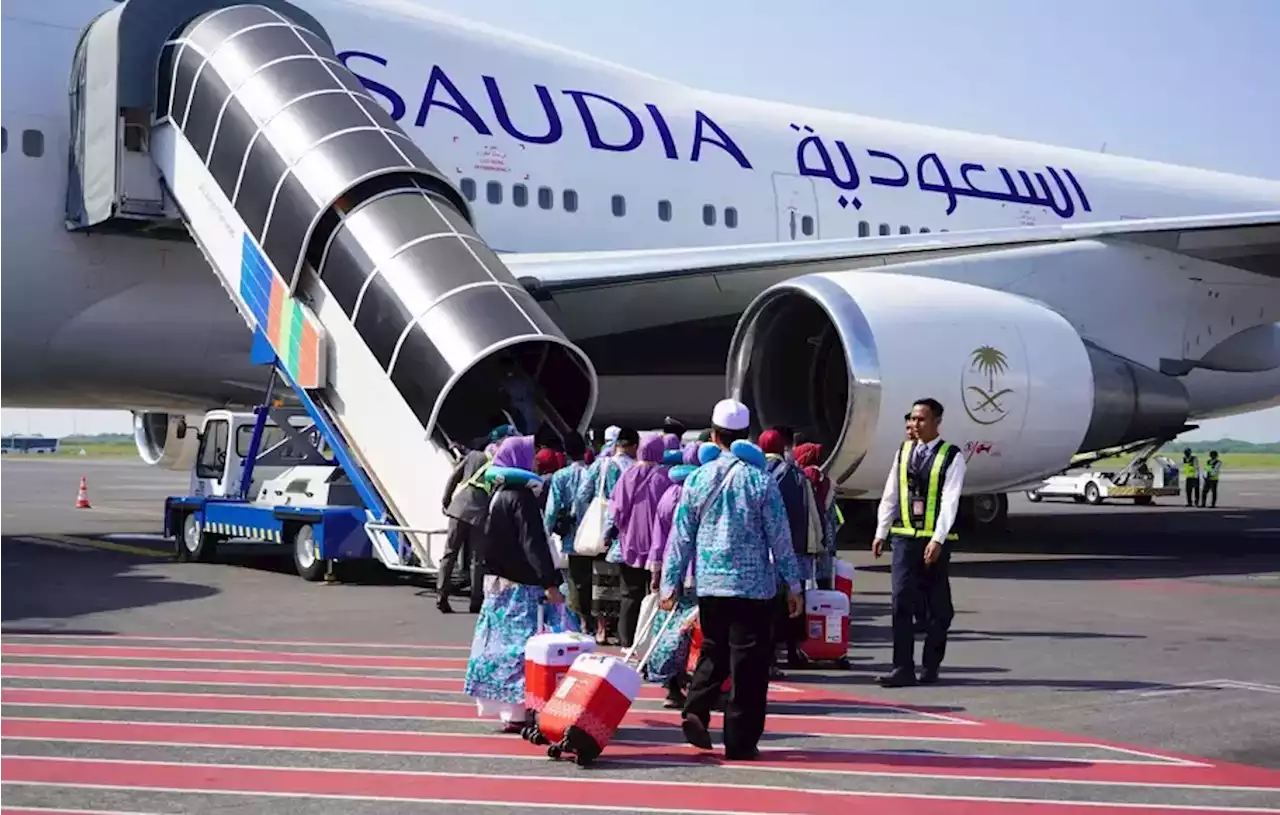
x=672, y=457
x=680, y=472
x=749, y=453
x=513, y=476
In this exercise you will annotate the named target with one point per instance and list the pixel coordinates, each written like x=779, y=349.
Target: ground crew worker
x=732, y=524
x=921, y=611
x=1210, y=484
x=917, y=510
x=1191, y=475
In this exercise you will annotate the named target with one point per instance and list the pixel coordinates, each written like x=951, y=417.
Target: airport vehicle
x=274, y=476
x=1146, y=476
x=1097, y=486
x=423, y=208
x=28, y=444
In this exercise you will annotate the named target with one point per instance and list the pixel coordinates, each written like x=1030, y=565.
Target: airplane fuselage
x=560, y=152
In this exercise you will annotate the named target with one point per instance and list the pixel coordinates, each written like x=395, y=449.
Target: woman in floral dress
x=521, y=588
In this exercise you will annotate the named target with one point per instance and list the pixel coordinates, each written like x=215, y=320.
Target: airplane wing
x=1249, y=241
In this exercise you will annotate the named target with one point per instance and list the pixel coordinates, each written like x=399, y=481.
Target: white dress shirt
x=952, y=483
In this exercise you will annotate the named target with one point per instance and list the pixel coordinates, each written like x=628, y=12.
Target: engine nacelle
x=841, y=356
x=165, y=440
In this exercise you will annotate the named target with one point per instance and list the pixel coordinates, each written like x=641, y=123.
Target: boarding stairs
x=353, y=260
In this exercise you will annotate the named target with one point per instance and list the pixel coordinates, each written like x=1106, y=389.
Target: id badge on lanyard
x=917, y=506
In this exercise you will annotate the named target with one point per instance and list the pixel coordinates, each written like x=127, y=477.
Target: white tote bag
x=589, y=540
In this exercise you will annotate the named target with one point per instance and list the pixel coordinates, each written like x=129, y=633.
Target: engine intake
x=840, y=357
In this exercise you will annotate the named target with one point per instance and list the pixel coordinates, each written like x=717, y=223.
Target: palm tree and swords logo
x=983, y=404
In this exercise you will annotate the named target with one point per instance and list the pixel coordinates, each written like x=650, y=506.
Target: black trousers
x=911, y=579
x=462, y=542
x=1193, y=491
x=787, y=630
x=635, y=585
x=581, y=569
x=736, y=643
x=1210, y=485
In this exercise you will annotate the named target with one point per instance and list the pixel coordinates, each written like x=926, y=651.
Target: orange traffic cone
x=82, y=499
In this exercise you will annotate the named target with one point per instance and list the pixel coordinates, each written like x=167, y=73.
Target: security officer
x=918, y=508
x=1191, y=475
x=1211, y=479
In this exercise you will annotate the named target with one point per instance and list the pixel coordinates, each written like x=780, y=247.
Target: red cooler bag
x=547, y=658
x=588, y=706
x=826, y=625
x=844, y=578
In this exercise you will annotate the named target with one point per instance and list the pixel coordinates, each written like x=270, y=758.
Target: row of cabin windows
x=32, y=142
x=618, y=205
x=493, y=193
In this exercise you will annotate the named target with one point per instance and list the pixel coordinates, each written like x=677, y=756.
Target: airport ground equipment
x=1145, y=477
x=272, y=476
x=343, y=248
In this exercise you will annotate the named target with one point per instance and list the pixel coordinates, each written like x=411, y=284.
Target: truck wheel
x=306, y=554
x=195, y=544
x=1034, y=496
x=1092, y=494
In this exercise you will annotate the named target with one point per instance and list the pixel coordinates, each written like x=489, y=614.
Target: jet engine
x=165, y=439
x=842, y=356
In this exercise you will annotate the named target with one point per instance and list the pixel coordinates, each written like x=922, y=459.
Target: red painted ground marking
x=511, y=746
x=228, y=655
x=231, y=641
x=463, y=788
x=466, y=711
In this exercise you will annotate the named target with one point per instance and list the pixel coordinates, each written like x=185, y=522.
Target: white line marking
x=834, y=751
x=637, y=782
x=248, y=666
x=329, y=644
x=1162, y=760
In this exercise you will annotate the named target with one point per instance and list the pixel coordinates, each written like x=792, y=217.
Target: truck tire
x=194, y=544
x=1034, y=496
x=1092, y=495
x=306, y=555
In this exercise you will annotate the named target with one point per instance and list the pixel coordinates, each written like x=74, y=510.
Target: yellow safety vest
x=1214, y=466
x=1189, y=468
x=477, y=480
x=932, y=499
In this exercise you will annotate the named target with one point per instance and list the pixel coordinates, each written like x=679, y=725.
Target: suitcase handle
x=626, y=658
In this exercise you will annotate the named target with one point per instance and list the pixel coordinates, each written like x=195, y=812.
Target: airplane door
x=797, y=207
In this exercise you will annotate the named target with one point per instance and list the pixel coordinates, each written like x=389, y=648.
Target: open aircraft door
x=797, y=206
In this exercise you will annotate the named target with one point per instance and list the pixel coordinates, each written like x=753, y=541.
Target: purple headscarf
x=691, y=453
x=672, y=441
x=516, y=452
x=652, y=448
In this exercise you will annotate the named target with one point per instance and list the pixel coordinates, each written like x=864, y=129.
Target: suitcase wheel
x=554, y=751
x=843, y=662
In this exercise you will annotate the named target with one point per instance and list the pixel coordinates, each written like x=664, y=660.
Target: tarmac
x=1112, y=657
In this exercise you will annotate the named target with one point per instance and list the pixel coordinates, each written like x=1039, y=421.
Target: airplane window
x=924, y=230
x=4, y=139
x=546, y=198
x=570, y=201
x=864, y=229
x=806, y=225
x=32, y=143
x=664, y=210
x=731, y=217
x=884, y=229
x=709, y=215
x=520, y=195
x=619, y=206
x=468, y=186
x=493, y=191
x=904, y=230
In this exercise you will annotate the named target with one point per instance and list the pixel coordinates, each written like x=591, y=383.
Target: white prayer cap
x=731, y=415
x=611, y=432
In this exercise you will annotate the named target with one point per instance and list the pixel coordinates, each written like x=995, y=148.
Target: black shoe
x=929, y=676
x=897, y=679
x=741, y=755
x=695, y=732
x=443, y=606
x=798, y=661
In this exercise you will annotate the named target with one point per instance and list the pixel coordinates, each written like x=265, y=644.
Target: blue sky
x=1183, y=81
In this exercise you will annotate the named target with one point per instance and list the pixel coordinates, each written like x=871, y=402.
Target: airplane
x=826, y=267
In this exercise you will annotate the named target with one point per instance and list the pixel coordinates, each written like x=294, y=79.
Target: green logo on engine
x=981, y=386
